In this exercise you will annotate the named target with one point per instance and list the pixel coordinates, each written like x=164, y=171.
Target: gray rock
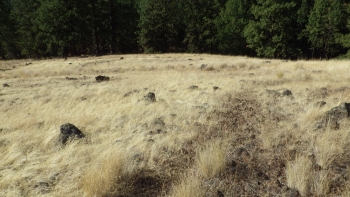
x=159, y=122
x=292, y=193
x=280, y=92
x=320, y=104
x=101, y=78
x=193, y=87
x=71, y=78
x=5, y=85
x=69, y=131
x=203, y=66
x=333, y=117
x=150, y=97
x=215, y=88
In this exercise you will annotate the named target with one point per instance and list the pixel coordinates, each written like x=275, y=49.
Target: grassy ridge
x=236, y=140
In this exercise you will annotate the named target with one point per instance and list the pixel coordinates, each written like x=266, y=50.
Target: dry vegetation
x=237, y=140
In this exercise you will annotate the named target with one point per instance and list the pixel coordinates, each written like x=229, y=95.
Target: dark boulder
x=333, y=117
x=320, y=104
x=101, y=78
x=203, y=66
x=292, y=193
x=150, y=97
x=69, y=131
x=193, y=87
x=280, y=92
x=5, y=85
x=71, y=78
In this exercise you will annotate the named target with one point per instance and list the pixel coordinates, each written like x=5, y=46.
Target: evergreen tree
x=344, y=38
x=7, y=32
x=200, y=16
x=124, y=19
x=29, y=39
x=157, y=26
x=230, y=27
x=273, y=32
x=324, y=25
x=302, y=20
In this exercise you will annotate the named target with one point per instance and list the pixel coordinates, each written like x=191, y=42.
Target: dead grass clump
x=170, y=67
x=211, y=160
x=223, y=66
x=104, y=177
x=298, y=174
x=280, y=75
x=120, y=175
x=241, y=65
x=190, y=185
x=320, y=182
x=328, y=146
x=209, y=68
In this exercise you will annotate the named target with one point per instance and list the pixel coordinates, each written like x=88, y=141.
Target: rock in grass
x=101, y=78
x=69, y=131
x=333, y=117
x=71, y=78
x=150, y=97
x=193, y=87
x=280, y=92
x=320, y=104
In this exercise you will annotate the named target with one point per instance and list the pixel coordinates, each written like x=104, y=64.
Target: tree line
x=299, y=29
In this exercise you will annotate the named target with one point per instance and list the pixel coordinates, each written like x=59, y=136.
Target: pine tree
x=273, y=32
x=8, y=36
x=200, y=16
x=230, y=27
x=323, y=28
x=157, y=25
x=29, y=39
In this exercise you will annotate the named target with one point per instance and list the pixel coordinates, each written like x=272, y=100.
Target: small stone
x=280, y=92
x=150, y=97
x=71, y=78
x=101, y=78
x=215, y=88
x=333, y=116
x=69, y=131
x=320, y=104
x=5, y=85
x=121, y=58
x=292, y=193
x=193, y=87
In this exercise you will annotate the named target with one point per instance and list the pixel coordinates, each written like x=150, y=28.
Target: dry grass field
x=240, y=138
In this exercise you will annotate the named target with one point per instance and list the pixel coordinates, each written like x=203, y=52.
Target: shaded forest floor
x=220, y=126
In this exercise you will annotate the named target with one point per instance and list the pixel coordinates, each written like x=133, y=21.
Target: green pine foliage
x=200, y=16
x=325, y=23
x=230, y=26
x=265, y=28
x=273, y=32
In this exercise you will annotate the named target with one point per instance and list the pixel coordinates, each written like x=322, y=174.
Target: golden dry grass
x=237, y=140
